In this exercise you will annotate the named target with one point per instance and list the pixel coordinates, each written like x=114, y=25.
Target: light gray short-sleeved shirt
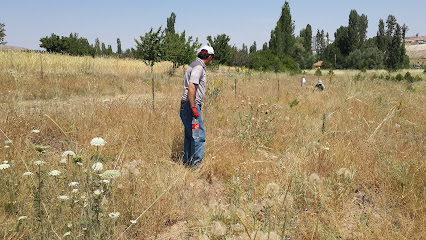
x=196, y=74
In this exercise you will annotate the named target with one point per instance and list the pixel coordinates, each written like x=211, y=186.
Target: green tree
x=170, y=29
x=73, y=45
x=241, y=57
x=244, y=48
x=381, y=38
x=306, y=34
x=264, y=60
x=2, y=34
x=253, y=48
x=104, y=50
x=320, y=42
x=221, y=47
x=119, y=50
x=109, y=51
x=357, y=29
x=282, y=37
x=150, y=47
x=178, y=49
x=394, y=54
x=98, y=50
x=53, y=44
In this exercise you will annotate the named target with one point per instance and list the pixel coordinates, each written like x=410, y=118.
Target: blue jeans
x=193, y=148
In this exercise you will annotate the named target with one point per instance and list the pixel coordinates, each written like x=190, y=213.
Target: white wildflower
x=6, y=146
x=66, y=234
x=97, y=166
x=105, y=181
x=272, y=189
x=63, y=197
x=133, y=221
x=68, y=153
x=5, y=162
x=4, y=166
x=111, y=174
x=22, y=218
x=35, y=131
x=39, y=162
x=218, y=228
x=97, y=192
x=73, y=184
x=27, y=174
x=54, y=173
x=79, y=164
x=97, y=141
x=74, y=191
x=114, y=215
x=315, y=179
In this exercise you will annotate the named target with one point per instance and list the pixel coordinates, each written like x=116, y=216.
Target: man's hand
x=195, y=112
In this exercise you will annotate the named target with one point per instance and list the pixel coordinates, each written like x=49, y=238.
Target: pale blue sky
x=244, y=21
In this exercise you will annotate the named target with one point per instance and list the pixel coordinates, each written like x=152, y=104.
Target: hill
x=12, y=48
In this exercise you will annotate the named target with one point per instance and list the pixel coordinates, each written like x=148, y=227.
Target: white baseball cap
x=207, y=49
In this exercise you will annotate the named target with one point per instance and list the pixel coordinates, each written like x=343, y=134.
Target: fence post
x=235, y=88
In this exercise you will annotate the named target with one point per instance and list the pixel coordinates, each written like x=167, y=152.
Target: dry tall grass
x=281, y=162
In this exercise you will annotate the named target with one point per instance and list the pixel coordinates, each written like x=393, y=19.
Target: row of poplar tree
x=285, y=51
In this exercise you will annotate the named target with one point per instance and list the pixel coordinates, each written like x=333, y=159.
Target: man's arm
x=191, y=94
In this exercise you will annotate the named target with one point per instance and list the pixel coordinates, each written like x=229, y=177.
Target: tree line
x=284, y=52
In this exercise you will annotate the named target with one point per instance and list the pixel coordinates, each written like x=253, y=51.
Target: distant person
x=194, y=88
x=303, y=80
x=319, y=86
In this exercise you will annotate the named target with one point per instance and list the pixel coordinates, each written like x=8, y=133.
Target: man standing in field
x=194, y=89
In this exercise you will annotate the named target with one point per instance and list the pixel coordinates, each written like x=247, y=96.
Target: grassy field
x=281, y=161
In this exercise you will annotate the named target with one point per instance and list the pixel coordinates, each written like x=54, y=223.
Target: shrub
x=399, y=77
x=293, y=103
x=408, y=77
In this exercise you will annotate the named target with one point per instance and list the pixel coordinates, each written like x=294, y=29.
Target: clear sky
x=244, y=21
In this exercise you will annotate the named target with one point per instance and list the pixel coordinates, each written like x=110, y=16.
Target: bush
x=399, y=77
x=417, y=79
x=408, y=77
x=359, y=77
x=293, y=103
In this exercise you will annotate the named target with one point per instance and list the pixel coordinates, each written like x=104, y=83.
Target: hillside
x=12, y=48
x=417, y=53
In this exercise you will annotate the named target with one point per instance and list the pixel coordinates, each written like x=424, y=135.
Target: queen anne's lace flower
x=97, y=166
x=73, y=184
x=68, y=153
x=97, y=141
x=39, y=162
x=111, y=174
x=54, y=173
x=4, y=166
x=63, y=197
